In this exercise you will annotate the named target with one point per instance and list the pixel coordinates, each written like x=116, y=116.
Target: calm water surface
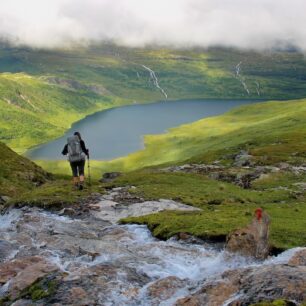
x=119, y=131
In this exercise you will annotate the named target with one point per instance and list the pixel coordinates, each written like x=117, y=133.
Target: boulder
x=253, y=240
x=109, y=177
x=214, y=294
x=78, y=296
x=164, y=288
x=299, y=258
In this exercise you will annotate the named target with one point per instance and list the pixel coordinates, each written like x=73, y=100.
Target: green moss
x=55, y=194
x=18, y=174
x=28, y=184
x=41, y=289
x=225, y=207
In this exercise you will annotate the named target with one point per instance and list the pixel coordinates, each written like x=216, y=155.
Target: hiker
x=77, y=152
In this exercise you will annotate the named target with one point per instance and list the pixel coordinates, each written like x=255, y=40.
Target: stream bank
x=57, y=259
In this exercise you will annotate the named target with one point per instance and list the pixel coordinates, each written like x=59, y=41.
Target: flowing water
x=119, y=131
x=115, y=264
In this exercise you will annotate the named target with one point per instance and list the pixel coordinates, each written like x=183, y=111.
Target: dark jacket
x=83, y=147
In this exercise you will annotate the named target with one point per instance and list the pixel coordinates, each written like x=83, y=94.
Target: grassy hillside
x=25, y=183
x=42, y=92
x=18, y=174
x=33, y=110
x=224, y=206
x=271, y=131
x=193, y=73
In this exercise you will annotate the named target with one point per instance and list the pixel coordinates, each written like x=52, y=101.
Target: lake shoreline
x=194, y=103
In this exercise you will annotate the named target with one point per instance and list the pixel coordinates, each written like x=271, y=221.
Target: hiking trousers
x=77, y=168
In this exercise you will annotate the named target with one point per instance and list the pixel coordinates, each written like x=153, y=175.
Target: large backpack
x=75, y=152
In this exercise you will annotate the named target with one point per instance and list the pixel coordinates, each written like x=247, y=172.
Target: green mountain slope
x=271, y=131
x=42, y=92
x=33, y=110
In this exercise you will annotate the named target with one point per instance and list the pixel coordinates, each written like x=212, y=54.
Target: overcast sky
x=258, y=24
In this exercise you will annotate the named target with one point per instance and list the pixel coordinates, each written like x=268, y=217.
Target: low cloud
x=255, y=24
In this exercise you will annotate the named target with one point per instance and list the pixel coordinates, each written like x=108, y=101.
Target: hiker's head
x=78, y=134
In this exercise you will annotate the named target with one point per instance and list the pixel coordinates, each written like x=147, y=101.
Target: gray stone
x=109, y=177
x=4, y=199
x=243, y=159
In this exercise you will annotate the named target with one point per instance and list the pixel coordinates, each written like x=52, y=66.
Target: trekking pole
x=89, y=176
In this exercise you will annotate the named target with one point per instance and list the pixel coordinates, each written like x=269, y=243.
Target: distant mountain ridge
x=42, y=92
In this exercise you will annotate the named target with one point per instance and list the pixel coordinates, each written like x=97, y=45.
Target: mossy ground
x=225, y=207
x=56, y=194
x=28, y=184
x=271, y=132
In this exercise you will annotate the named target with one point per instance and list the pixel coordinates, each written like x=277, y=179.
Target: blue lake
x=117, y=132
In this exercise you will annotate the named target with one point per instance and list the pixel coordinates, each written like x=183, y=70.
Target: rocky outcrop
x=75, y=85
x=243, y=159
x=253, y=240
x=239, y=175
x=248, y=286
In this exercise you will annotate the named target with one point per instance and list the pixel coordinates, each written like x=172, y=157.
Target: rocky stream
x=89, y=259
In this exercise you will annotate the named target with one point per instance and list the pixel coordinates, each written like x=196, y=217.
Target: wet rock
x=164, y=288
x=214, y=294
x=253, y=240
x=6, y=249
x=23, y=302
x=92, y=255
x=299, y=258
x=78, y=296
x=67, y=212
x=249, y=286
x=109, y=177
x=22, y=273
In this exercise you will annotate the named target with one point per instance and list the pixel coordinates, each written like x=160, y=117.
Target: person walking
x=77, y=152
